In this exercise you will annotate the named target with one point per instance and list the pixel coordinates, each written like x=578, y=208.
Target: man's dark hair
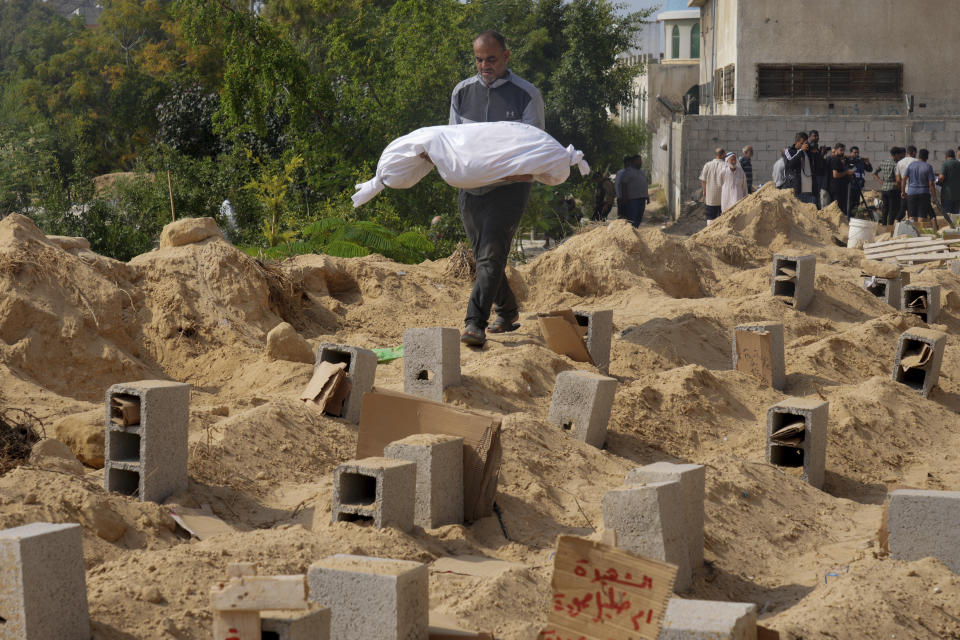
x=637, y=156
x=814, y=131
x=801, y=135
x=894, y=151
x=627, y=160
x=852, y=149
x=924, y=154
x=839, y=145
x=490, y=34
x=912, y=150
x=951, y=153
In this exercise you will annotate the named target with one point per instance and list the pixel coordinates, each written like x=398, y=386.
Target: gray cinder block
x=581, y=405
x=649, y=520
x=431, y=361
x=887, y=289
x=929, y=294
x=797, y=288
x=372, y=597
x=43, y=592
x=313, y=624
x=361, y=368
x=809, y=448
x=925, y=523
x=147, y=459
x=709, y=620
x=777, y=357
x=599, y=326
x=692, y=479
x=439, y=460
x=923, y=378
x=377, y=490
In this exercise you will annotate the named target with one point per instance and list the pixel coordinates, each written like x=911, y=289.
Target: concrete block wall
x=581, y=405
x=43, y=592
x=931, y=292
x=811, y=453
x=925, y=523
x=887, y=289
x=692, y=479
x=431, y=361
x=313, y=624
x=709, y=620
x=372, y=597
x=921, y=379
x=695, y=138
x=649, y=520
x=800, y=290
x=361, y=368
x=439, y=492
x=599, y=326
x=377, y=490
x=777, y=353
x=148, y=460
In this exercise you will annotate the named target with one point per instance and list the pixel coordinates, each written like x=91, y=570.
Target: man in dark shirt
x=491, y=214
x=949, y=180
x=746, y=163
x=889, y=191
x=861, y=167
x=840, y=176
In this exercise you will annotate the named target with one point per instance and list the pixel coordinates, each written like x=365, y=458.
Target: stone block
x=924, y=524
x=793, y=279
x=313, y=624
x=922, y=300
x=361, y=368
x=709, y=620
x=649, y=520
x=599, y=326
x=431, y=361
x=692, y=479
x=887, y=289
x=147, y=459
x=581, y=405
x=922, y=378
x=377, y=490
x=808, y=447
x=372, y=597
x=43, y=592
x=777, y=358
x=439, y=460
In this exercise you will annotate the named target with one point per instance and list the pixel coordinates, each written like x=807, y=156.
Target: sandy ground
x=72, y=323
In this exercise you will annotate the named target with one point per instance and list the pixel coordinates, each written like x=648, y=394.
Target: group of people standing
x=725, y=181
x=908, y=185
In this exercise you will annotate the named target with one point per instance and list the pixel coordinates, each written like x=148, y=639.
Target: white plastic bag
x=469, y=156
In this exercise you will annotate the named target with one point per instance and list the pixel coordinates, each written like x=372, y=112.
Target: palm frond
x=344, y=249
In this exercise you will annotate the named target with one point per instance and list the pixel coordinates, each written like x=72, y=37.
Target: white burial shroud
x=469, y=156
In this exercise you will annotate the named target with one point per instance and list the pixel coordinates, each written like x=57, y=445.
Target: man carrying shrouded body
x=491, y=214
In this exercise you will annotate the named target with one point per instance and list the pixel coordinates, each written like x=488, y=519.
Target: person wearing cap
x=733, y=183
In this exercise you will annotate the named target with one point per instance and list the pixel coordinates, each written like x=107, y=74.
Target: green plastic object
x=388, y=354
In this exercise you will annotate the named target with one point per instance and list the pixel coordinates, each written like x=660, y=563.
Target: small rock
x=52, y=454
x=97, y=514
x=222, y=410
x=84, y=434
x=284, y=343
x=261, y=475
x=188, y=231
x=151, y=594
x=937, y=590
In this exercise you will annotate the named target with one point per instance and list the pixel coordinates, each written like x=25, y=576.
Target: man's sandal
x=473, y=336
x=504, y=325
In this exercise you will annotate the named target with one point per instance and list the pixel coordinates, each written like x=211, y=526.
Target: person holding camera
x=819, y=157
x=800, y=169
x=841, y=176
x=861, y=167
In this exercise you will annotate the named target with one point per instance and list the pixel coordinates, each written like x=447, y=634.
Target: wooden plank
x=254, y=593
x=885, y=243
x=907, y=252
x=906, y=247
x=930, y=257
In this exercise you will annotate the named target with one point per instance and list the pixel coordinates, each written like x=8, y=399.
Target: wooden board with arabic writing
x=604, y=593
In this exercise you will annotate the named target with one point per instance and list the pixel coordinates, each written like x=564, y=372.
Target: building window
x=856, y=81
x=675, y=51
x=728, y=83
x=695, y=41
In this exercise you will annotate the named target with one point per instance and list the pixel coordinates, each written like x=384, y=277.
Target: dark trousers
x=491, y=220
x=601, y=211
x=891, y=207
x=712, y=212
x=635, y=209
x=950, y=206
x=918, y=205
x=842, y=197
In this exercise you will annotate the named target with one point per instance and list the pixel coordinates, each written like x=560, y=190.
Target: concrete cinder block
x=649, y=520
x=709, y=620
x=372, y=597
x=796, y=288
x=378, y=490
x=431, y=361
x=810, y=451
x=148, y=460
x=581, y=405
x=313, y=624
x=43, y=592
x=439, y=460
x=929, y=294
x=361, y=368
x=923, y=378
x=777, y=357
x=887, y=289
x=692, y=479
x=599, y=326
x=925, y=523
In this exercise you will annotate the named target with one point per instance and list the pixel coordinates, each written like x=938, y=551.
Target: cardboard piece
x=444, y=627
x=564, y=335
x=124, y=410
x=387, y=416
x=918, y=304
x=478, y=566
x=328, y=388
x=917, y=360
x=755, y=355
x=791, y=435
x=604, y=593
x=767, y=634
x=200, y=523
x=786, y=274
